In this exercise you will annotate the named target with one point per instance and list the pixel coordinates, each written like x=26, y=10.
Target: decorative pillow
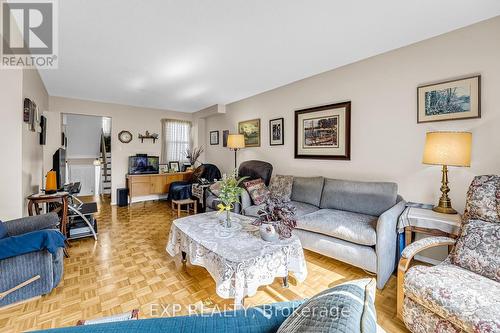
x=483, y=199
x=477, y=249
x=215, y=188
x=348, y=307
x=281, y=187
x=257, y=190
x=3, y=230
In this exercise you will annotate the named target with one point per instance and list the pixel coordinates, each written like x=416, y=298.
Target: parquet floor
x=128, y=268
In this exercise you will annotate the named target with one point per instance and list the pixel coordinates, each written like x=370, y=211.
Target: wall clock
x=125, y=136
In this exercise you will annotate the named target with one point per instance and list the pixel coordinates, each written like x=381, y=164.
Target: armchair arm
x=245, y=200
x=32, y=223
x=387, y=241
x=406, y=257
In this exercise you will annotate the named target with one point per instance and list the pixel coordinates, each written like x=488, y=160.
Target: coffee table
x=237, y=259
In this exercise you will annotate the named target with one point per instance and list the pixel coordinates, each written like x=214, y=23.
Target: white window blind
x=176, y=138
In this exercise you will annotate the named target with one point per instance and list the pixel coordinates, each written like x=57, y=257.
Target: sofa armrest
x=32, y=223
x=386, y=242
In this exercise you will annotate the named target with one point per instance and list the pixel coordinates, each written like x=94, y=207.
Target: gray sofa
x=354, y=222
x=18, y=269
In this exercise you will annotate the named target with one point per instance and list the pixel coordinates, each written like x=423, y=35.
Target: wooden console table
x=141, y=185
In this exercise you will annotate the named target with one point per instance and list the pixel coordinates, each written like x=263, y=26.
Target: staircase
x=106, y=174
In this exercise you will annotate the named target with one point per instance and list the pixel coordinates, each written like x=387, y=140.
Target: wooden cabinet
x=142, y=185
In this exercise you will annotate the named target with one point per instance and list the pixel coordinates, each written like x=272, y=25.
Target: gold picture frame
x=251, y=131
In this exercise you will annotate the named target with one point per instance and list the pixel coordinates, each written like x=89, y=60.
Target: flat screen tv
x=141, y=165
x=59, y=166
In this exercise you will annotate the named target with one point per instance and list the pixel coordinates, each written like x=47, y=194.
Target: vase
x=227, y=223
x=268, y=232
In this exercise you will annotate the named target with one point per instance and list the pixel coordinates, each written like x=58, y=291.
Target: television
x=59, y=166
x=142, y=165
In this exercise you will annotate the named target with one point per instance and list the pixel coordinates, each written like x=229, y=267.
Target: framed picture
x=174, y=166
x=324, y=132
x=449, y=100
x=163, y=168
x=276, y=136
x=225, y=134
x=251, y=130
x=214, y=138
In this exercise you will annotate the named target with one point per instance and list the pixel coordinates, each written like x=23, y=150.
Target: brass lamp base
x=444, y=205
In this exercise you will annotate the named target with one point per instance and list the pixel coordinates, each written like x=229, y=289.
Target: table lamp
x=235, y=142
x=447, y=149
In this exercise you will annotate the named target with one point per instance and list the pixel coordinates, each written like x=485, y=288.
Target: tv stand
x=142, y=185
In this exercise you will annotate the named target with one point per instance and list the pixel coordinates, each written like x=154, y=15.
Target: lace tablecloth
x=238, y=260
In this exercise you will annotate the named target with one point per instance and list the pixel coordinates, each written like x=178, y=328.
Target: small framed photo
x=174, y=166
x=214, y=138
x=276, y=136
x=449, y=100
x=163, y=168
x=225, y=134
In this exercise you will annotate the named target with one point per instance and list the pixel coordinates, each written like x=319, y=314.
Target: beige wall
x=134, y=119
x=32, y=152
x=11, y=133
x=386, y=141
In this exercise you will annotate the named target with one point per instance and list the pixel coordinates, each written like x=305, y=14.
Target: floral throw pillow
x=281, y=187
x=477, y=249
x=257, y=191
x=483, y=199
x=215, y=188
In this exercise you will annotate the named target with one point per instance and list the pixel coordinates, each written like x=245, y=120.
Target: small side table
x=36, y=199
x=177, y=205
x=428, y=222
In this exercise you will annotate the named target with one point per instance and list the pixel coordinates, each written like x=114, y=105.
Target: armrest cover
x=32, y=223
x=425, y=243
x=50, y=240
x=387, y=241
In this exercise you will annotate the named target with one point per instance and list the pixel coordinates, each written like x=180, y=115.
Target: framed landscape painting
x=450, y=100
x=276, y=132
x=324, y=132
x=251, y=130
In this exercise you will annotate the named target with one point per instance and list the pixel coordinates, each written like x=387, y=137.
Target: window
x=176, y=138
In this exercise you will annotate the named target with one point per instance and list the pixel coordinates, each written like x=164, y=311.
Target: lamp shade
x=448, y=148
x=236, y=141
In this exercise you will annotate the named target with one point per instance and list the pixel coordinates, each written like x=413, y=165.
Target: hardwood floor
x=128, y=268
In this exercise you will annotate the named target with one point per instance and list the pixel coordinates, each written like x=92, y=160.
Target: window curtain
x=176, y=138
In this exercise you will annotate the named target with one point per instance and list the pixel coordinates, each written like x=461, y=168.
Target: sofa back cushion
x=371, y=198
x=307, y=189
x=483, y=199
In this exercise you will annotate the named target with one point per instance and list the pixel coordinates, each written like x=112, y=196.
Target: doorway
x=88, y=152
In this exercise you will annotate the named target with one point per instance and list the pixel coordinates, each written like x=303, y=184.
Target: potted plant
x=276, y=220
x=229, y=195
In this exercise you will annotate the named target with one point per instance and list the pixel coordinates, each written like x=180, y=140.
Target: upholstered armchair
x=252, y=169
x=462, y=294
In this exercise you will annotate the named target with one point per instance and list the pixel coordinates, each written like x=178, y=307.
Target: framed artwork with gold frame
x=251, y=131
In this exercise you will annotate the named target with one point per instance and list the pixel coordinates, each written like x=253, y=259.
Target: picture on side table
x=450, y=100
x=174, y=166
x=276, y=132
x=323, y=132
x=251, y=130
x=214, y=138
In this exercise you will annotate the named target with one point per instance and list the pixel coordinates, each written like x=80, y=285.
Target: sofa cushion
x=466, y=299
x=258, y=191
x=307, y=189
x=352, y=227
x=371, y=198
x=281, y=187
x=348, y=307
x=483, y=199
x=302, y=209
x=478, y=249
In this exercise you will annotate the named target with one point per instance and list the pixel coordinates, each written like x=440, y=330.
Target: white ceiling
x=185, y=55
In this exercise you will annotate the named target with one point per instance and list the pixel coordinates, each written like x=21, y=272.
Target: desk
x=141, y=185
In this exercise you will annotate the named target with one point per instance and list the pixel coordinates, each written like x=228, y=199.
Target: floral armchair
x=462, y=294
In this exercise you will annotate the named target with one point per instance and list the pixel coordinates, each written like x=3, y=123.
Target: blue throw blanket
x=49, y=240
